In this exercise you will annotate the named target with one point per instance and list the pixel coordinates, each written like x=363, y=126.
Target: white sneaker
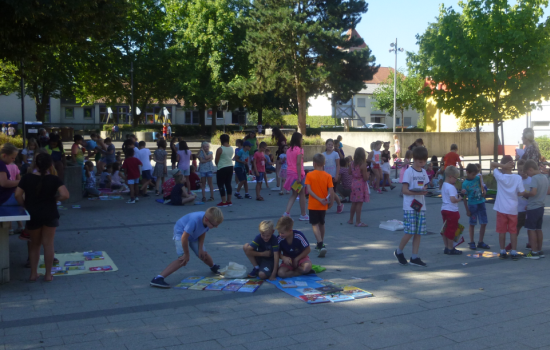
x=131, y=201
x=304, y=217
x=137, y=199
x=285, y=214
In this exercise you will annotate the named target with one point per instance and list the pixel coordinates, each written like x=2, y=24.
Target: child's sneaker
x=137, y=199
x=417, y=262
x=541, y=254
x=238, y=195
x=508, y=247
x=25, y=236
x=215, y=268
x=321, y=251
x=159, y=283
x=531, y=255
x=472, y=245
x=286, y=215
x=400, y=258
x=339, y=209
x=483, y=245
x=221, y=204
x=455, y=252
x=304, y=217
x=253, y=273
x=247, y=196
x=503, y=256
x=131, y=201
x=514, y=257
x=229, y=203
x=528, y=246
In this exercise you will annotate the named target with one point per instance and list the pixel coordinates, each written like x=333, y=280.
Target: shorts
x=533, y=219
x=260, y=177
x=521, y=219
x=266, y=265
x=270, y=169
x=507, y=223
x=194, y=245
x=291, y=268
x=478, y=211
x=451, y=217
x=206, y=174
x=146, y=174
x=36, y=224
x=241, y=174
x=11, y=202
x=317, y=217
x=132, y=181
x=185, y=172
x=414, y=222
x=290, y=178
x=97, y=157
x=282, y=174
x=386, y=168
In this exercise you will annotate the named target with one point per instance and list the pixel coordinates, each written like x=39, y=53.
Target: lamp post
x=395, y=49
x=132, y=83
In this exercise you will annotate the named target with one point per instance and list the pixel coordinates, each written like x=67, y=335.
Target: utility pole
x=132, y=83
x=395, y=49
x=23, y=105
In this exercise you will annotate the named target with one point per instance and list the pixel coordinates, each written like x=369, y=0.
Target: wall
x=438, y=144
x=10, y=108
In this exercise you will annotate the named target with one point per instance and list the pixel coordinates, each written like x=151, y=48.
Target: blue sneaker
x=253, y=273
x=238, y=195
x=215, y=268
x=472, y=245
x=159, y=283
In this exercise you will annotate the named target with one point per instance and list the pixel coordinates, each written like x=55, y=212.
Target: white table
x=7, y=215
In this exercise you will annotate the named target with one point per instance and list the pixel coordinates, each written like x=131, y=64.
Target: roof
x=352, y=33
x=380, y=76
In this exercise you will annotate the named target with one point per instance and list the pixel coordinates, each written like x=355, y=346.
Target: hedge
x=178, y=130
x=544, y=146
x=311, y=120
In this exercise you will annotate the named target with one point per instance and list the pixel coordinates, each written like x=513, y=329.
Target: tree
x=104, y=70
x=302, y=48
x=408, y=95
x=492, y=60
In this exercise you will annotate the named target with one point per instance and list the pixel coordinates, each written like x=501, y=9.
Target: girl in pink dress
x=295, y=173
x=359, y=186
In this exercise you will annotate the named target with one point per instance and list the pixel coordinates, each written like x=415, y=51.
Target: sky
x=410, y=17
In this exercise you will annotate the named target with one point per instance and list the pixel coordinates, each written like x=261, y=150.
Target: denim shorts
x=194, y=245
x=478, y=211
x=146, y=174
x=206, y=174
x=260, y=177
x=241, y=174
x=132, y=181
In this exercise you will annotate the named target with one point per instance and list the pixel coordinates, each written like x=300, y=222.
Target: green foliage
x=269, y=116
x=544, y=146
x=17, y=141
x=491, y=59
x=407, y=94
x=311, y=121
x=308, y=140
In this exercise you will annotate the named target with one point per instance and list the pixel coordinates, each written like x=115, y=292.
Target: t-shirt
x=298, y=245
x=320, y=182
x=253, y=144
x=111, y=158
x=522, y=202
x=377, y=157
x=330, y=162
x=115, y=178
x=292, y=156
x=541, y=183
x=192, y=224
x=448, y=191
x=90, y=180
x=5, y=192
x=259, y=159
x=127, y=144
x=282, y=157
x=30, y=155
x=131, y=166
x=451, y=158
x=416, y=180
x=91, y=145
x=508, y=187
x=79, y=158
x=185, y=157
x=195, y=181
x=144, y=156
x=243, y=156
x=260, y=245
x=13, y=170
x=41, y=206
x=175, y=195
x=474, y=191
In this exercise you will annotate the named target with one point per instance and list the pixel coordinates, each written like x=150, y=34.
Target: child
x=105, y=179
x=295, y=173
x=375, y=157
x=332, y=167
x=241, y=160
x=415, y=181
x=263, y=253
x=435, y=164
x=160, y=156
x=15, y=174
x=509, y=187
x=259, y=169
x=475, y=207
x=238, y=147
x=194, y=179
x=359, y=187
x=321, y=197
x=4, y=129
x=56, y=151
x=28, y=154
x=282, y=168
x=449, y=210
x=190, y=232
x=184, y=157
x=451, y=158
x=396, y=145
x=90, y=189
x=131, y=169
x=144, y=157
x=294, y=249
x=386, y=166
x=269, y=168
x=535, y=208
x=11, y=130
x=338, y=146
x=179, y=195
x=206, y=170
x=522, y=202
x=194, y=160
x=116, y=182
x=343, y=188
x=7, y=183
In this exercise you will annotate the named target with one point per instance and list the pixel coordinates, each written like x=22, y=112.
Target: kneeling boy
x=294, y=249
x=263, y=253
x=190, y=231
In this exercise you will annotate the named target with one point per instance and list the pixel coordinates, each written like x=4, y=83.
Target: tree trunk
x=214, y=117
x=202, y=120
x=41, y=102
x=302, y=109
x=495, y=139
x=478, y=140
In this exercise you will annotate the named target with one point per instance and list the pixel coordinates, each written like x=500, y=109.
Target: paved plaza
x=455, y=303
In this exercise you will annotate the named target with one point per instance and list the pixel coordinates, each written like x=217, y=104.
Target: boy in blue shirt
x=241, y=161
x=294, y=249
x=189, y=232
x=263, y=253
x=473, y=188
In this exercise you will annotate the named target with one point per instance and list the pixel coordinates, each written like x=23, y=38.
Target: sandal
x=48, y=281
x=203, y=199
x=361, y=224
x=281, y=193
x=261, y=199
x=211, y=199
x=350, y=222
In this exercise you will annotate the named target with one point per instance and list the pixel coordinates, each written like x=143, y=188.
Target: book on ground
x=199, y=286
x=218, y=285
x=184, y=285
x=308, y=291
x=329, y=289
x=337, y=297
x=69, y=268
x=315, y=299
x=251, y=286
x=232, y=287
x=288, y=284
x=74, y=263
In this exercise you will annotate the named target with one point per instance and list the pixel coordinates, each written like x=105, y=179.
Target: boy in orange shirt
x=321, y=197
x=451, y=158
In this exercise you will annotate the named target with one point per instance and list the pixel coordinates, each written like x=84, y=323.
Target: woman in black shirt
x=37, y=193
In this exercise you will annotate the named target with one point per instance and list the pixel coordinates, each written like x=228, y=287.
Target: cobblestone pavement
x=485, y=304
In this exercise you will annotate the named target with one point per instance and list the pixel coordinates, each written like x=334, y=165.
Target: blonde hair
x=451, y=170
x=285, y=224
x=266, y=226
x=215, y=215
x=8, y=149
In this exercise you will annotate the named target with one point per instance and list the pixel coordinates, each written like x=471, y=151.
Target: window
x=88, y=113
x=408, y=121
x=377, y=119
x=397, y=121
x=69, y=113
x=219, y=115
x=103, y=114
x=361, y=102
x=192, y=117
x=541, y=123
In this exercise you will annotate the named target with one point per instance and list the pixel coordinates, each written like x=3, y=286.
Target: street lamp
x=132, y=86
x=395, y=49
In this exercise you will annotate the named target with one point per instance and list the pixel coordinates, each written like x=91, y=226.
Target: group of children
x=8, y=130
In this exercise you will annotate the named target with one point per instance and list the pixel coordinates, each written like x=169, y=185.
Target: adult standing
x=531, y=150
x=224, y=174
x=174, y=152
x=37, y=192
x=281, y=143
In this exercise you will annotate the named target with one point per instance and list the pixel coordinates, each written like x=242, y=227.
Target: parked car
x=374, y=126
